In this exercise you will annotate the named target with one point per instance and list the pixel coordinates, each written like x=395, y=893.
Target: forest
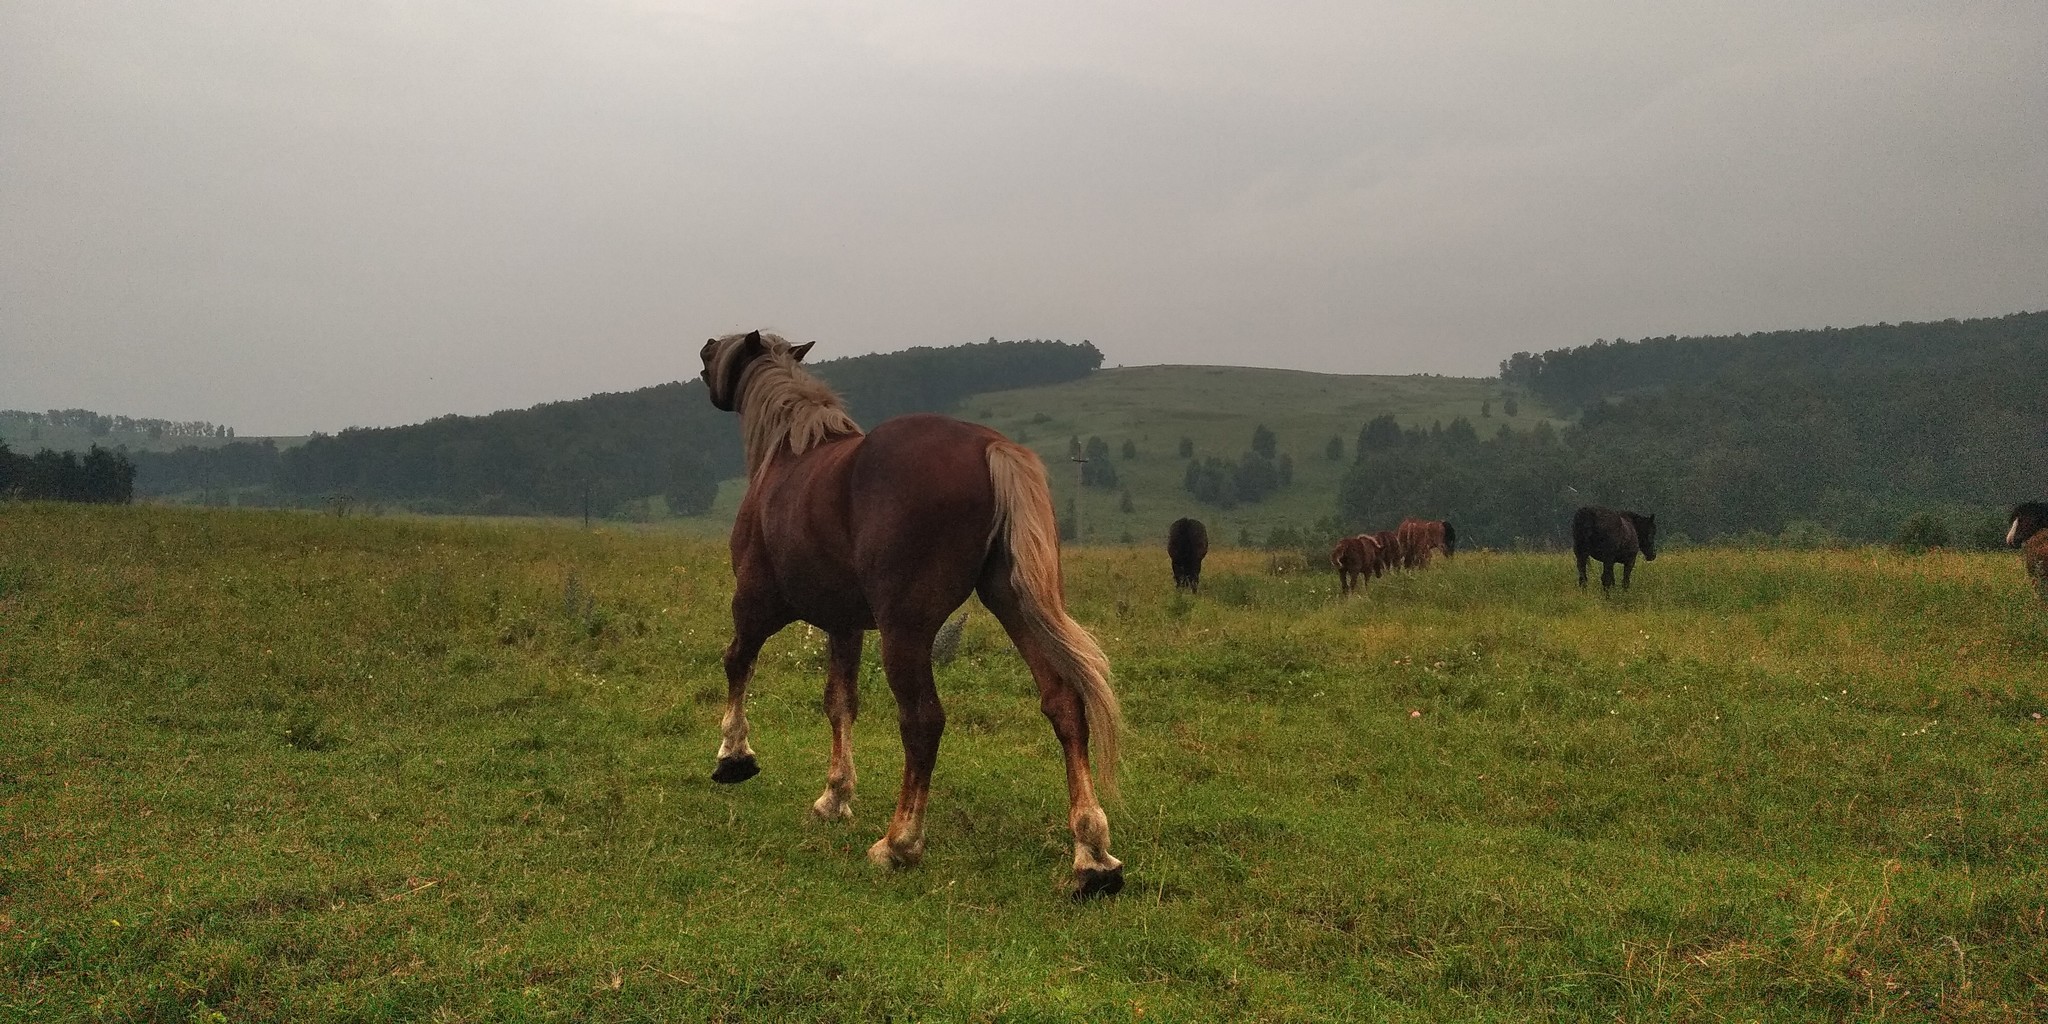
x=101, y=476
x=607, y=453
x=1804, y=437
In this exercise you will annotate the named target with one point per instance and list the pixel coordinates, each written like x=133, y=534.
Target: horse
x=1420, y=538
x=891, y=530
x=1610, y=536
x=2029, y=533
x=1187, y=543
x=1389, y=556
x=1355, y=558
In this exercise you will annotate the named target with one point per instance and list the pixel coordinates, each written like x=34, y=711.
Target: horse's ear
x=753, y=341
x=802, y=350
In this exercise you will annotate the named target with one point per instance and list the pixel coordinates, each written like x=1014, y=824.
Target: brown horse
x=2029, y=533
x=1389, y=557
x=892, y=530
x=1421, y=539
x=1355, y=558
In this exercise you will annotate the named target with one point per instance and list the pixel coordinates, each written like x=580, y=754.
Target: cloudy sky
x=289, y=216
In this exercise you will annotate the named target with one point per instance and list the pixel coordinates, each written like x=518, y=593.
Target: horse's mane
x=781, y=404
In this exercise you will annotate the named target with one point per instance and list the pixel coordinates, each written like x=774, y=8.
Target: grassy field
x=1217, y=407
x=270, y=766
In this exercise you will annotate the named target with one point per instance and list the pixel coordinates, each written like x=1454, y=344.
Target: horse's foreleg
x=751, y=629
x=1628, y=572
x=1606, y=575
x=907, y=660
x=842, y=705
x=1582, y=572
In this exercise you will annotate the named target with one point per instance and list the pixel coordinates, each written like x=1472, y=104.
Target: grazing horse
x=2029, y=533
x=1187, y=543
x=1611, y=536
x=1389, y=557
x=892, y=530
x=1420, y=539
x=1355, y=558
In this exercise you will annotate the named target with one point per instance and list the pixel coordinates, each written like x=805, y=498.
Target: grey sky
x=297, y=216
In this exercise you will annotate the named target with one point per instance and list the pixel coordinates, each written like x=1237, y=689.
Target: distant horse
x=1355, y=558
x=1187, y=543
x=2029, y=533
x=1420, y=539
x=1388, y=558
x=1610, y=536
x=892, y=530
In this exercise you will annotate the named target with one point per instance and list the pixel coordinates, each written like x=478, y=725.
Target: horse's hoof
x=1092, y=882
x=886, y=855
x=826, y=808
x=735, y=769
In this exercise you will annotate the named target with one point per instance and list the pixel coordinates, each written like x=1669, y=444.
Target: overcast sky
x=290, y=216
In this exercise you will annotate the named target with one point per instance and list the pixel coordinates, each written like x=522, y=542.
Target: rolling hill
x=1218, y=408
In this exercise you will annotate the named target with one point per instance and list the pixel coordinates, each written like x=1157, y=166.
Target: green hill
x=1218, y=408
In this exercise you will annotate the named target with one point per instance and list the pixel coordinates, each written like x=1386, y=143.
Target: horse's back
x=1603, y=533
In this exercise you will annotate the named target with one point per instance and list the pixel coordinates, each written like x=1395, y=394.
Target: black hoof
x=735, y=769
x=1092, y=883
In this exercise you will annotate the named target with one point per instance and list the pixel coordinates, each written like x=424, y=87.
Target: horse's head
x=2026, y=519
x=1646, y=535
x=726, y=360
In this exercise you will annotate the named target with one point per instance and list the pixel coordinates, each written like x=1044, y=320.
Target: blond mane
x=782, y=406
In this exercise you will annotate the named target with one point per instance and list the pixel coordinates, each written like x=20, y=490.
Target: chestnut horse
x=1355, y=559
x=2029, y=533
x=892, y=530
x=1421, y=538
x=1389, y=557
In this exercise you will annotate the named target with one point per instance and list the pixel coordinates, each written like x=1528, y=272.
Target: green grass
x=273, y=766
x=1217, y=407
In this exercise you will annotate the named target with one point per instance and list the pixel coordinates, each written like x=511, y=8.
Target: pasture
x=272, y=766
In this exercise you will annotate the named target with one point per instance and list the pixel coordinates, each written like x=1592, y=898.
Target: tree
x=1510, y=406
x=1125, y=506
x=1383, y=432
x=1263, y=441
x=1130, y=449
x=1334, y=451
x=1187, y=447
x=1486, y=409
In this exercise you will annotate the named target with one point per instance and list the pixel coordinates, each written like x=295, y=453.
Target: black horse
x=1187, y=543
x=1610, y=536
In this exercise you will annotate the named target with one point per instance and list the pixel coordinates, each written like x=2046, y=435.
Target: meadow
x=277, y=766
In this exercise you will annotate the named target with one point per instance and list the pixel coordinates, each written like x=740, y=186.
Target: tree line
x=1817, y=435
x=100, y=476
x=608, y=453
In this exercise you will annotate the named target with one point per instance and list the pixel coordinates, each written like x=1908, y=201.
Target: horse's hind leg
x=1582, y=572
x=1606, y=576
x=907, y=660
x=1628, y=572
x=754, y=621
x=1096, y=873
x=842, y=705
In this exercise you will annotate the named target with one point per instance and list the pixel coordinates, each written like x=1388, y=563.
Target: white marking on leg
x=733, y=733
x=1091, y=840
x=2012, y=534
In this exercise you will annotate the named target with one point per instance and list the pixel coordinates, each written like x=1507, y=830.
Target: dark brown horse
x=1610, y=537
x=1355, y=558
x=1421, y=539
x=2029, y=533
x=892, y=530
x=1187, y=543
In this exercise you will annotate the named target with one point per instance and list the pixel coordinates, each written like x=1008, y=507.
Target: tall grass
x=287, y=767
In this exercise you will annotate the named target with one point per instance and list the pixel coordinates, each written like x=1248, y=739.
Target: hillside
x=1218, y=407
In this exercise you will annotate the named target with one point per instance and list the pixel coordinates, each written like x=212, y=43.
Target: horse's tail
x=1026, y=529
x=1450, y=539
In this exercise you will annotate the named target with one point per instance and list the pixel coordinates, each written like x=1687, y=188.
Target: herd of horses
x=893, y=529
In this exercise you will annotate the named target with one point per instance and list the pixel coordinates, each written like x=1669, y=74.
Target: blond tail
x=1025, y=525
